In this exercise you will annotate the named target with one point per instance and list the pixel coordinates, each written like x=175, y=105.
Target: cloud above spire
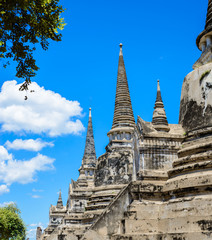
x=43, y=112
x=28, y=144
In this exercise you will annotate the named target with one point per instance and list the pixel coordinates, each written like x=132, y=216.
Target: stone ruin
x=154, y=182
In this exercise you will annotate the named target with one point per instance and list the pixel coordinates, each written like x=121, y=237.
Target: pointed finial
x=158, y=99
x=59, y=201
x=60, y=196
x=89, y=112
x=120, y=53
x=158, y=87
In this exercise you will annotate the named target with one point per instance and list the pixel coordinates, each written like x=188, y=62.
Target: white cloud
x=33, y=225
x=37, y=190
x=12, y=170
x=36, y=196
x=29, y=144
x=3, y=189
x=44, y=112
x=4, y=155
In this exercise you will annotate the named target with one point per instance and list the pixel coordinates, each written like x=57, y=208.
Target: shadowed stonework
x=196, y=99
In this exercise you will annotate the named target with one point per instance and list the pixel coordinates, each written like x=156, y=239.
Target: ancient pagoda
x=154, y=181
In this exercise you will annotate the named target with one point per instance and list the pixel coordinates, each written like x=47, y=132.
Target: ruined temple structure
x=154, y=182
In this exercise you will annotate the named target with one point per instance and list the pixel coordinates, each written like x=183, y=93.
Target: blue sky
x=158, y=43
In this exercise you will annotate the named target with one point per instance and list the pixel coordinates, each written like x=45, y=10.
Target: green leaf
x=23, y=24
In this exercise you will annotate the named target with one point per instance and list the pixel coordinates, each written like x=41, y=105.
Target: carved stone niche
x=56, y=220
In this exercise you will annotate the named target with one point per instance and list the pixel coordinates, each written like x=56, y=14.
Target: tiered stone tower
x=123, y=113
x=123, y=118
x=64, y=220
x=56, y=216
x=59, y=201
x=190, y=179
x=81, y=190
x=159, y=141
x=116, y=165
x=154, y=182
x=86, y=171
x=174, y=204
x=159, y=119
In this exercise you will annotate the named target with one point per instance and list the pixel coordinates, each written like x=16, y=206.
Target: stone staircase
x=136, y=215
x=110, y=216
x=100, y=199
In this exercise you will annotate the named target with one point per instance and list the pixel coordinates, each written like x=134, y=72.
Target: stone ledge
x=190, y=168
x=199, y=157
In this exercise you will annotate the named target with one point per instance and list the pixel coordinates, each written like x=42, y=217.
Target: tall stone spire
x=204, y=40
x=159, y=119
x=60, y=201
x=123, y=114
x=89, y=156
